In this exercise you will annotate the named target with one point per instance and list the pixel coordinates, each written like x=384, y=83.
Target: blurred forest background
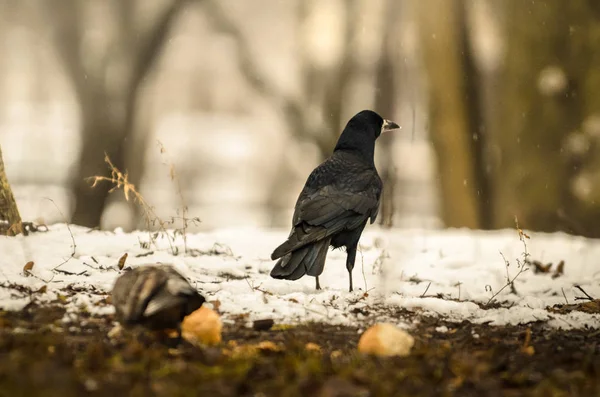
x=499, y=103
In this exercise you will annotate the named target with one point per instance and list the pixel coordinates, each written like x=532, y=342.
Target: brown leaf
x=560, y=269
x=216, y=304
x=122, y=261
x=541, y=268
x=28, y=267
x=126, y=190
x=42, y=289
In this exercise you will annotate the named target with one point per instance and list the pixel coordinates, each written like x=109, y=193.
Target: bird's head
x=362, y=130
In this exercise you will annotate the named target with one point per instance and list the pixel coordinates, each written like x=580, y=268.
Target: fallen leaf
x=560, y=270
x=28, y=267
x=122, y=261
x=539, y=267
x=42, y=289
x=216, y=304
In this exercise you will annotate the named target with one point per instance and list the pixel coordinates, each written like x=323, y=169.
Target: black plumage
x=156, y=297
x=338, y=199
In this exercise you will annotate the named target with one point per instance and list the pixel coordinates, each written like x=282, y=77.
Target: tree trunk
x=581, y=213
x=385, y=103
x=540, y=101
x=450, y=112
x=107, y=112
x=102, y=133
x=9, y=213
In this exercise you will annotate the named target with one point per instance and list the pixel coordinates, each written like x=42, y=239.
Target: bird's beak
x=389, y=125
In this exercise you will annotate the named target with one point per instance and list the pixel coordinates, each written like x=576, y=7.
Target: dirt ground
x=41, y=356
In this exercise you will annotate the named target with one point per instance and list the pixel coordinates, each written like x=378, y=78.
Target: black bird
x=338, y=199
x=157, y=297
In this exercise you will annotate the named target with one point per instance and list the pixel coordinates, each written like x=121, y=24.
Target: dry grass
x=120, y=180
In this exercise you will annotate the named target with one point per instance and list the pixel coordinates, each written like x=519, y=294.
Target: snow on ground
x=449, y=273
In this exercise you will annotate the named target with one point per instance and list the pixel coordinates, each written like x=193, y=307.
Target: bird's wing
x=330, y=206
x=327, y=211
x=135, y=290
x=174, y=291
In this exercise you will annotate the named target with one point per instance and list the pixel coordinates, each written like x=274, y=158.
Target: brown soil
x=41, y=356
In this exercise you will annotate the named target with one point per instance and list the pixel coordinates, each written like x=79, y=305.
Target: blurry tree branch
x=317, y=114
x=323, y=89
x=108, y=110
x=341, y=77
x=66, y=24
x=260, y=82
x=153, y=42
x=295, y=110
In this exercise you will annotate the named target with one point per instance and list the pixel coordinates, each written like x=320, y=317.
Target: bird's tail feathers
x=287, y=247
x=309, y=259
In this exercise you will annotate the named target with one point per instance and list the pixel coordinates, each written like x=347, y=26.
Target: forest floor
x=43, y=356
x=492, y=313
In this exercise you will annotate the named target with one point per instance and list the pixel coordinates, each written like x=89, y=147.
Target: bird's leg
x=350, y=262
x=318, y=285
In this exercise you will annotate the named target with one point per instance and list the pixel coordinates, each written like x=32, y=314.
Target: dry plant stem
x=458, y=285
x=564, y=295
x=120, y=180
x=587, y=296
x=426, y=289
x=510, y=282
x=73, y=245
x=362, y=263
x=521, y=264
x=184, y=208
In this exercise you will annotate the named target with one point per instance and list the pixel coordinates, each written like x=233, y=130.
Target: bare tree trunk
x=102, y=133
x=450, y=115
x=108, y=113
x=385, y=103
x=549, y=88
x=9, y=213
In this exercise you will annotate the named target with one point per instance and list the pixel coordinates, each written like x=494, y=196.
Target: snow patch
x=451, y=274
